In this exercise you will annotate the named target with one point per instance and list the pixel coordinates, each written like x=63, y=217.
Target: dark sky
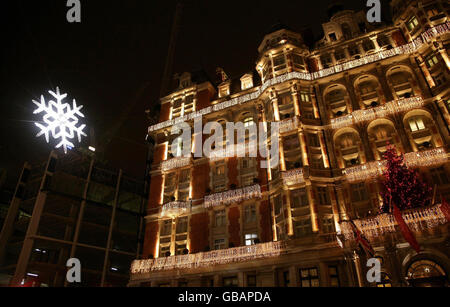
x=114, y=60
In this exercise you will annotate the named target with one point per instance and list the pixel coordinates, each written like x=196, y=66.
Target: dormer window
x=333, y=37
x=224, y=90
x=182, y=106
x=185, y=80
x=246, y=82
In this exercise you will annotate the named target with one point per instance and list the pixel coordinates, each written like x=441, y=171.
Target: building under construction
x=71, y=207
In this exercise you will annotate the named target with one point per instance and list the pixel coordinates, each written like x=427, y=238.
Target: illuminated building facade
x=228, y=222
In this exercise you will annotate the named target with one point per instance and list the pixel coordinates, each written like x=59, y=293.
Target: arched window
x=399, y=79
x=346, y=31
x=336, y=100
x=426, y=273
x=348, y=146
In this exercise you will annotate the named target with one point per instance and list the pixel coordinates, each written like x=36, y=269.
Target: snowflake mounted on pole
x=60, y=120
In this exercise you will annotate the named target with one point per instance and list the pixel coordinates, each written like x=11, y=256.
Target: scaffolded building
x=71, y=207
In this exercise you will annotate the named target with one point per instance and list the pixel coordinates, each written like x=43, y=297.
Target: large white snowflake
x=60, y=120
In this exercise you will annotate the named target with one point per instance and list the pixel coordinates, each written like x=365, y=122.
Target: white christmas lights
x=293, y=177
x=405, y=49
x=174, y=209
x=413, y=159
x=175, y=163
x=393, y=107
x=233, y=196
x=60, y=120
x=140, y=268
x=417, y=219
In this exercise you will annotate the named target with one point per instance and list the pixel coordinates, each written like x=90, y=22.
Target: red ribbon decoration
x=406, y=232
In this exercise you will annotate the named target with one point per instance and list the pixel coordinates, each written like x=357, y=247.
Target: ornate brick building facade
x=229, y=222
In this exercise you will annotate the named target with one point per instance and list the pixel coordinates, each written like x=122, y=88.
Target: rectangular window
x=279, y=63
x=334, y=276
x=219, y=218
x=286, y=279
x=231, y=282
x=431, y=60
x=439, y=176
x=299, y=199
x=285, y=98
x=219, y=244
x=250, y=214
x=313, y=140
x=166, y=228
x=182, y=225
x=305, y=97
x=309, y=278
x=302, y=228
x=416, y=124
x=328, y=225
x=298, y=60
x=412, y=23
x=250, y=239
x=359, y=192
x=278, y=205
x=251, y=280
x=322, y=195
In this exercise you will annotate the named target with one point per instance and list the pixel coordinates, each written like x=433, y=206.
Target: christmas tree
x=402, y=187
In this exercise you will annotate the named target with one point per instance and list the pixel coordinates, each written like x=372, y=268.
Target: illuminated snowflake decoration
x=60, y=120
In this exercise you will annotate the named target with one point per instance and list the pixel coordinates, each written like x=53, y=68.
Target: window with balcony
x=251, y=239
x=368, y=45
x=383, y=41
x=218, y=176
x=399, y=80
x=336, y=99
x=412, y=24
x=309, y=278
x=285, y=98
x=313, y=140
x=339, y=55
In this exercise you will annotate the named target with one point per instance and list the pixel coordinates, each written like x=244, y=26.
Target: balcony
x=174, y=209
x=393, y=107
x=413, y=159
x=416, y=219
x=233, y=196
x=293, y=177
x=175, y=163
x=142, y=268
x=289, y=125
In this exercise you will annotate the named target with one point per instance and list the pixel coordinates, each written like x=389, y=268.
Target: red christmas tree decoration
x=402, y=187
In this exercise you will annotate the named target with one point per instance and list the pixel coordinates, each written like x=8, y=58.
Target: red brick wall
x=265, y=222
x=159, y=154
x=200, y=180
x=199, y=234
x=398, y=38
x=234, y=226
x=164, y=114
x=204, y=99
x=155, y=191
x=233, y=171
x=151, y=238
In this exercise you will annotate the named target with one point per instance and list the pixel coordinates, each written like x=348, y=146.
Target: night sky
x=112, y=62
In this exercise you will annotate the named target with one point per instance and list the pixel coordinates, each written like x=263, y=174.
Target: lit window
x=412, y=23
x=309, y=278
x=305, y=97
x=431, y=60
x=248, y=122
x=250, y=239
x=416, y=124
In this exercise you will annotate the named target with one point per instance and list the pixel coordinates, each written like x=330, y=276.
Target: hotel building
x=229, y=222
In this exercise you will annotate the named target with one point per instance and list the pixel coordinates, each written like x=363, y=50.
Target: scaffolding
x=71, y=207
